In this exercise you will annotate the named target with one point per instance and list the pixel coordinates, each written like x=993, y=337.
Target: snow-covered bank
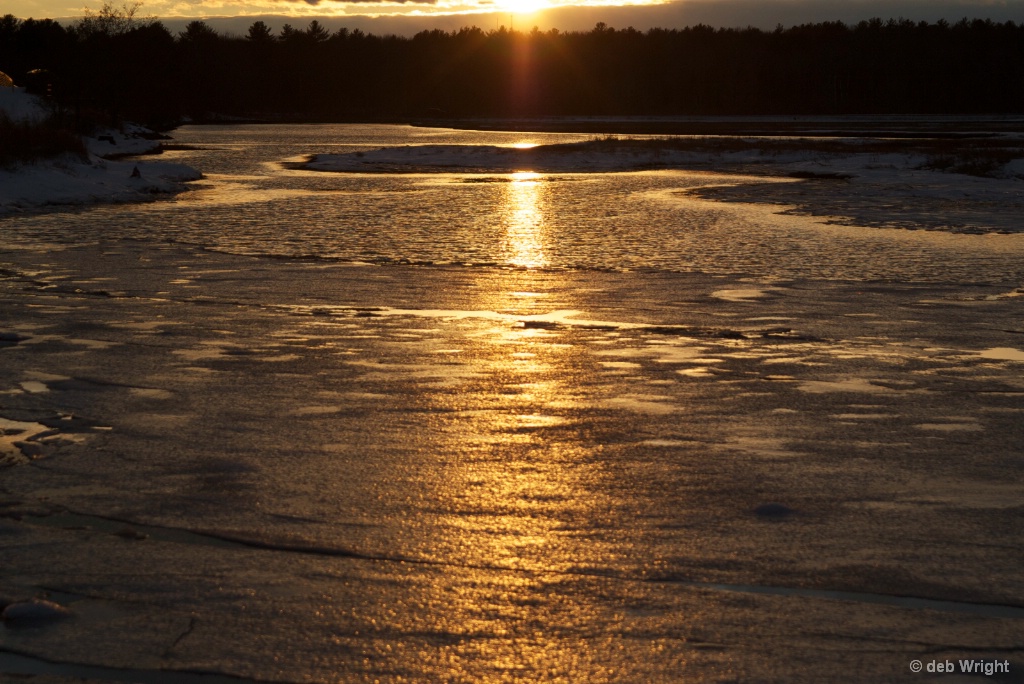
x=128, y=140
x=17, y=105
x=71, y=180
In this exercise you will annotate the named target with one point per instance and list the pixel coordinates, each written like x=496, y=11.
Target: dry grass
x=26, y=142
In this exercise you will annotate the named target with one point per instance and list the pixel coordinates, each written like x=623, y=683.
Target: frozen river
x=484, y=424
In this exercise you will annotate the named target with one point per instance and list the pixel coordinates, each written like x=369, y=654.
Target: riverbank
x=72, y=182
x=92, y=177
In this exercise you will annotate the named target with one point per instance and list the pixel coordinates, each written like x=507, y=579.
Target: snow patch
x=17, y=105
x=130, y=139
x=68, y=181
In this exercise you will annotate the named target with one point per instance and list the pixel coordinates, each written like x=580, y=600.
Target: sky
x=405, y=17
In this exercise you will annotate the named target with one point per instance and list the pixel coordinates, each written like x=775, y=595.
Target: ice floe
x=33, y=613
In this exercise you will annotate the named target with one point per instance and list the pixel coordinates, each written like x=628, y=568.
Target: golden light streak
x=524, y=230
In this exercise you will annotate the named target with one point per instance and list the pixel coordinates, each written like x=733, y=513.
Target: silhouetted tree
x=317, y=33
x=111, y=20
x=288, y=33
x=259, y=32
x=873, y=67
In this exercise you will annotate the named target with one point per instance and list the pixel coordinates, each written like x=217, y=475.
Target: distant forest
x=113, y=64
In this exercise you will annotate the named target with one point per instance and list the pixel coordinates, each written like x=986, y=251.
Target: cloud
x=335, y=3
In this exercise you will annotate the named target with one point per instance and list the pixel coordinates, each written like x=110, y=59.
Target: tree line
x=116, y=64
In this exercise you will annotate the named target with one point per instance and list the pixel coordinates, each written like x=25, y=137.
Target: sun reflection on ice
x=518, y=474
x=524, y=243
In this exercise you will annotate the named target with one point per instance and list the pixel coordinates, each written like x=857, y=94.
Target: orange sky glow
x=409, y=16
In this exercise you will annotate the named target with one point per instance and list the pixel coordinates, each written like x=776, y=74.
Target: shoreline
x=61, y=184
x=106, y=176
x=104, y=169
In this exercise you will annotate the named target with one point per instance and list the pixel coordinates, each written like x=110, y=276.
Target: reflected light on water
x=524, y=244
x=518, y=468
